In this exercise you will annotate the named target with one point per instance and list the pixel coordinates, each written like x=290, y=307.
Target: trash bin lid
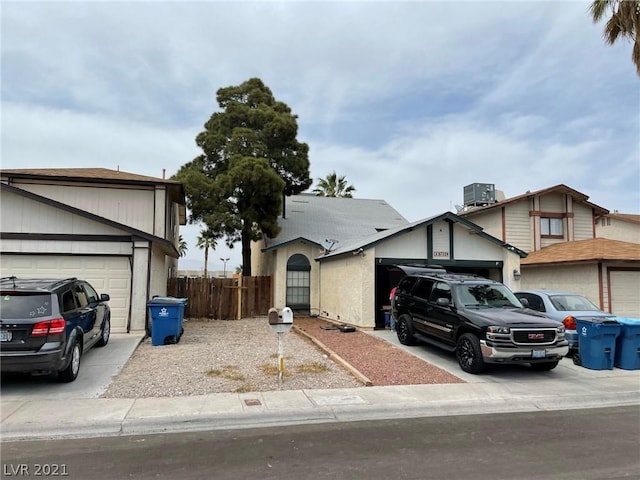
x=159, y=300
x=628, y=321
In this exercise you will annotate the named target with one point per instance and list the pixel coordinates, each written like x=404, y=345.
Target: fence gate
x=223, y=298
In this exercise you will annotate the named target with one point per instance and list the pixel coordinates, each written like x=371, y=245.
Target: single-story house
x=335, y=257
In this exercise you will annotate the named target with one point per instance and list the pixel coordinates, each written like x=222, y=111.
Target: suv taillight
x=569, y=323
x=49, y=327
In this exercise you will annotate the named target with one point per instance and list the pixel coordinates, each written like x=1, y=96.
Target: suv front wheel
x=469, y=353
x=405, y=331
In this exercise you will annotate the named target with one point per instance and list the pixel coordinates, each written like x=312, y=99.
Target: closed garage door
x=625, y=285
x=110, y=275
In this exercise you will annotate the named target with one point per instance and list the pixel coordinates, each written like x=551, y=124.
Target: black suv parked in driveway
x=480, y=319
x=46, y=325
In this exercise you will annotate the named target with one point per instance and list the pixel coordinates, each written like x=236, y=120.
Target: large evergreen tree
x=251, y=157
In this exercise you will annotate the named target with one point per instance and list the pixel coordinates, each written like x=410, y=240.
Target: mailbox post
x=280, y=324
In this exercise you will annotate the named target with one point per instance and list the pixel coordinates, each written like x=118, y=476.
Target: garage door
x=110, y=275
x=625, y=286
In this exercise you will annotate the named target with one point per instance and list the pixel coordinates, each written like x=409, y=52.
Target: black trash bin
x=167, y=316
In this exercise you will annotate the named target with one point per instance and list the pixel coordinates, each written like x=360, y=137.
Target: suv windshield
x=24, y=306
x=479, y=295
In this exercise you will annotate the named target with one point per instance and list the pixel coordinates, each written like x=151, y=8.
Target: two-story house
x=572, y=244
x=117, y=230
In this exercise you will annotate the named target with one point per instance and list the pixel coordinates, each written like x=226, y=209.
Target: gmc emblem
x=535, y=336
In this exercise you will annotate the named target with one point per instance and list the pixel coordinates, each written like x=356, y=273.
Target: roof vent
x=479, y=194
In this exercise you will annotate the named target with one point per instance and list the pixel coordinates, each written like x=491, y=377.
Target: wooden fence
x=223, y=298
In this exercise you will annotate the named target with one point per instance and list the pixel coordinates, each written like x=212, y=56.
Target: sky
x=410, y=101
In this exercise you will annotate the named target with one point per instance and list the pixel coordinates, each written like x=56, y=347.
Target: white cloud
x=410, y=100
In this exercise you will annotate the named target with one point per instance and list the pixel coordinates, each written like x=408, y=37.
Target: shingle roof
x=561, y=188
x=82, y=173
x=625, y=217
x=595, y=249
x=322, y=220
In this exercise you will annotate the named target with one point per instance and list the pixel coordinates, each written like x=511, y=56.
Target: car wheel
x=405, y=331
x=70, y=373
x=106, y=332
x=469, y=353
x=544, y=366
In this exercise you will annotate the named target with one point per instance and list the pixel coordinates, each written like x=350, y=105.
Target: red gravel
x=381, y=362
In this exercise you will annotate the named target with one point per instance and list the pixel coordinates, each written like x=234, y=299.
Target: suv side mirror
x=443, y=302
x=524, y=302
x=104, y=297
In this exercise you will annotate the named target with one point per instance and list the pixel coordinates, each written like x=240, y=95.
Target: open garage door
x=625, y=285
x=110, y=275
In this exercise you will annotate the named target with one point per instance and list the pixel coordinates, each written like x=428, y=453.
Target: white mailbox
x=280, y=323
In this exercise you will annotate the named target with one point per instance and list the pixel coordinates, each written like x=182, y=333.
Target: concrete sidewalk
x=518, y=389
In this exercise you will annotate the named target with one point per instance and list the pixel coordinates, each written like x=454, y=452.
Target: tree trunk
x=206, y=260
x=246, y=254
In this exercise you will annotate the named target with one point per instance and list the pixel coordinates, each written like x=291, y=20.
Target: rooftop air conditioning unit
x=479, y=194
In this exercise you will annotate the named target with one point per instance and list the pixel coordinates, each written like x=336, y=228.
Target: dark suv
x=479, y=319
x=46, y=325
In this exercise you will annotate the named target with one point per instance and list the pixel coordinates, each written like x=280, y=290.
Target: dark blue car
x=46, y=325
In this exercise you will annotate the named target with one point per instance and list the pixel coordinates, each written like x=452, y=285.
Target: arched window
x=298, y=282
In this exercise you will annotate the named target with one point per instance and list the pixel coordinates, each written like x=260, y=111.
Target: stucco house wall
x=583, y=280
x=624, y=228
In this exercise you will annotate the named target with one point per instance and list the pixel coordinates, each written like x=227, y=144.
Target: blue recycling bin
x=597, y=342
x=167, y=316
x=628, y=344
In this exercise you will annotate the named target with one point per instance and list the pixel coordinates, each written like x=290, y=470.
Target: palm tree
x=334, y=186
x=182, y=246
x=624, y=23
x=206, y=240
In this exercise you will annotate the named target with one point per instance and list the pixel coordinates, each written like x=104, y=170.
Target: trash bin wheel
x=576, y=359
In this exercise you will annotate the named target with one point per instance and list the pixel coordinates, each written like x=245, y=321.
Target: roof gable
x=561, y=188
x=332, y=221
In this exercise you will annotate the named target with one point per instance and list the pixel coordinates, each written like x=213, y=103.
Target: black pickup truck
x=479, y=319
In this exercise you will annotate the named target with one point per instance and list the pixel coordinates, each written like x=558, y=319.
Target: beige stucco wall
x=347, y=289
x=615, y=229
x=279, y=273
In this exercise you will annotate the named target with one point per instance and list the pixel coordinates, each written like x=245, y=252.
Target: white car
x=564, y=307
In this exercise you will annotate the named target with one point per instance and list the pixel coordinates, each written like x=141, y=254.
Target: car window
x=92, y=295
x=68, y=301
x=81, y=297
x=535, y=302
x=441, y=290
x=423, y=288
x=405, y=285
x=569, y=303
x=24, y=306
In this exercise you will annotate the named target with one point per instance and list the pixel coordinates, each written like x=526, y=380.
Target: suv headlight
x=498, y=329
x=561, y=329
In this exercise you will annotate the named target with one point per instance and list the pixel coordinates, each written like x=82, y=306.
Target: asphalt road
x=570, y=444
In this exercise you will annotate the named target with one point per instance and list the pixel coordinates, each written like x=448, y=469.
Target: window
x=441, y=290
x=92, y=296
x=551, y=227
x=423, y=289
x=298, y=282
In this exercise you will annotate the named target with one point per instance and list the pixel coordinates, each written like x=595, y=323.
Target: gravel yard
x=216, y=356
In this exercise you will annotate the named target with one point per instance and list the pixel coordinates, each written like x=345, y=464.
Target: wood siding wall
x=223, y=298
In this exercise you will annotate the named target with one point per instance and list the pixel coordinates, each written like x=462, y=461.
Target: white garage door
x=625, y=286
x=110, y=275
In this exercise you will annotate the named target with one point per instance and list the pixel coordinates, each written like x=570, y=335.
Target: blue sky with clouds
x=411, y=101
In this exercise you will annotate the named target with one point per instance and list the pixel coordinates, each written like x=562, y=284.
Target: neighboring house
x=115, y=229
x=619, y=226
x=336, y=256
x=558, y=227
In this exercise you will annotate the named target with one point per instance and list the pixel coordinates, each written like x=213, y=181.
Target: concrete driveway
x=98, y=366
x=565, y=375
